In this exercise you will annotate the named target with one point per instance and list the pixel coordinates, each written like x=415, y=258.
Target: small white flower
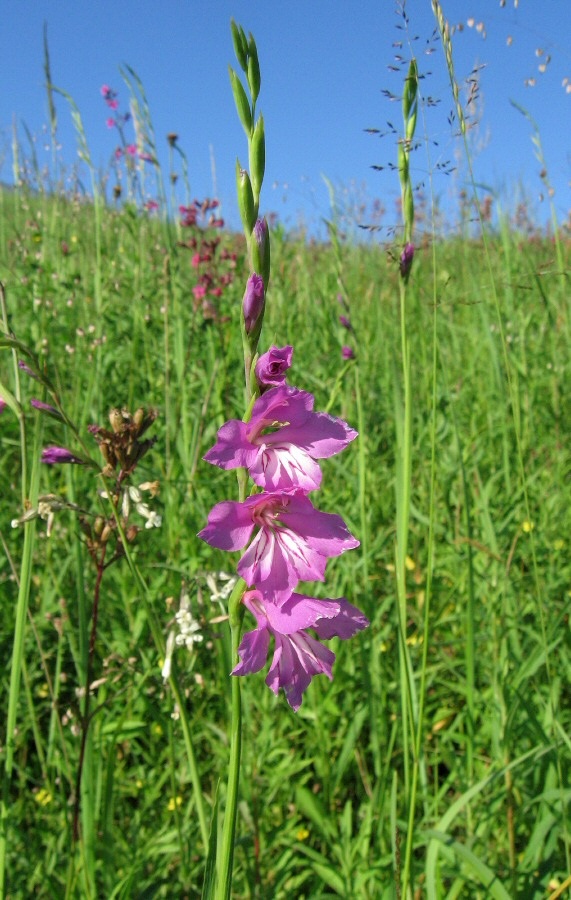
x=167, y=665
x=135, y=494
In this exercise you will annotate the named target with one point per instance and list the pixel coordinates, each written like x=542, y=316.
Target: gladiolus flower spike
x=287, y=539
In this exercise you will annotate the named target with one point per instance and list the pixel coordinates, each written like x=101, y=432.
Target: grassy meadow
x=325, y=793
x=442, y=748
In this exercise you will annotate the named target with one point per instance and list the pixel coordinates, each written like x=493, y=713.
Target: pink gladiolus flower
x=282, y=440
x=297, y=656
x=293, y=543
x=272, y=366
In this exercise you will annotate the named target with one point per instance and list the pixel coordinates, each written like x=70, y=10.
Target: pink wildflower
x=281, y=441
x=297, y=656
x=293, y=543
x=199, y=291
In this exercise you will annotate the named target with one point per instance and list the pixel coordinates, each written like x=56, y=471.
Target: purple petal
x=229, y=526
x=324, y=532
x=278, y=560
x=321, y=435
x=348, y=622
x=296, y=660
x=299, y=612
x=253, y=652
x=232, y=448
x=284, y=467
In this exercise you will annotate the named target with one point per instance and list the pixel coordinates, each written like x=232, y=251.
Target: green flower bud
x=246, y=204
x=254, y=78
x=408, y=212
x=402, y=158
x=260, y=250
x=241, y=101
x=409, y=98
x=240, y=45
x=258, y=156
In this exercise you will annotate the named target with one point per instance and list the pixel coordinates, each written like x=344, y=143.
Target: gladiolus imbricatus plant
x=277, y=445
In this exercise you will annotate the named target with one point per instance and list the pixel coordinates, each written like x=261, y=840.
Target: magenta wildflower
x=3, y=405
x=272, y=366
x=111, y=124
x=131, y=149
x=297, y=655
x=253, y=302
x=199, y=291
x=347, y=352
x=55, y=455
x=293, y=543
x=345, y=322
x=282, y=440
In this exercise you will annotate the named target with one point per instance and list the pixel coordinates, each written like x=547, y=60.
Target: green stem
x=229, y=827
x=29, y=495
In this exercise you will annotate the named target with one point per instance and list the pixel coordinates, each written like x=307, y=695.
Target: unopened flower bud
x=46, y=408
x=54, y=455
x=257, y=156
x=246, y=202
x=406, y=259
x=253, y=303
x=347, y=353
x=260, y=250
x=116, y=420
x=139, y=418
x=272, y=366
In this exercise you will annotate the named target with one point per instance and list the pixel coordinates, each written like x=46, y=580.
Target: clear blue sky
x=324, y=67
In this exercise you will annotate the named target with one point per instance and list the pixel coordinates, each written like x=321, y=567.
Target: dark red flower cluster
x=214, y=265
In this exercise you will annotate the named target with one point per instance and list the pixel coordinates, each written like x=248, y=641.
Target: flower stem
x=229, y=828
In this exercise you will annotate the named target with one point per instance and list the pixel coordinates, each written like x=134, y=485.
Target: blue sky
x=324, y=67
